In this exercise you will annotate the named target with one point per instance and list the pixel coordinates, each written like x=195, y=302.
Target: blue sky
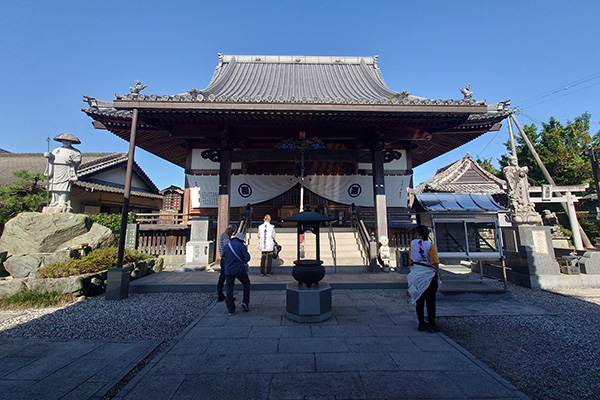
x=54, y=52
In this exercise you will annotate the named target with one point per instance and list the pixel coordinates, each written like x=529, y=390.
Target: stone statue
x=62, y=170
x=550, y=219
x=467, y=93
x=384, y=252
x=521, y=205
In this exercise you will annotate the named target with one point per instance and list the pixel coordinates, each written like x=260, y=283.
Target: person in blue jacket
x=236, y=258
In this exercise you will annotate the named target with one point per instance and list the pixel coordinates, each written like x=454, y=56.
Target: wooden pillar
x=379, y=196
x=224, y=193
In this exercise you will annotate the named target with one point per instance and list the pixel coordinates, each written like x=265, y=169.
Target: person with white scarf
x=424, y=278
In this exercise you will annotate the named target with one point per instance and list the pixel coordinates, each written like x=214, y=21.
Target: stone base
x=199, y=253
x=311, y=304
x=56, y=210
x=117, y=283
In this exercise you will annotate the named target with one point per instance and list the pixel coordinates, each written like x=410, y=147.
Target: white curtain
x=253, y=189
x=358, y=189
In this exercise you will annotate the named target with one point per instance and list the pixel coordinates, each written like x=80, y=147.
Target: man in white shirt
x=266, y=243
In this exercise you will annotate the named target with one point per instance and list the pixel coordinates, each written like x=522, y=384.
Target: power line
x=527, y=102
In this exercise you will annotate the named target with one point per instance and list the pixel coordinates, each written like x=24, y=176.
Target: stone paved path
x=370, y=349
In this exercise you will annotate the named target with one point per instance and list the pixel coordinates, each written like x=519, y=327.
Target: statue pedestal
x=199, y=252
x=530, y=256
x=57, y=210
x=311, y=304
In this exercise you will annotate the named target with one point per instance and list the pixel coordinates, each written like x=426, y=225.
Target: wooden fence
x=163, y=239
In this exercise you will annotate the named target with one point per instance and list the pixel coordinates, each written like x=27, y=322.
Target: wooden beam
x=279, y=155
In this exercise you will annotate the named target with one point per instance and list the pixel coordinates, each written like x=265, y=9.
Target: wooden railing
x=362, y=232
x=163, y=239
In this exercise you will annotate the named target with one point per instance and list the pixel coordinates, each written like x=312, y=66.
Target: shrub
x=36, y=299
x=111, y=221
x=96, y=261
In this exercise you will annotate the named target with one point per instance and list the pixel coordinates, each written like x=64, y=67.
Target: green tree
x=486, y=164
x=562, y=149
x=23, y=195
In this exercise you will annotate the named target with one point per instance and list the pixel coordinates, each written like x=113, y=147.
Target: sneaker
x=422, y=327
x=269, y=274
x=245, y=307
x=433, y=328
x=232, y=313
x=221, y=297
x=262, y=274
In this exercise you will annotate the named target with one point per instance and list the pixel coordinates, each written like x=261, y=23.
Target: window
x=466, y=238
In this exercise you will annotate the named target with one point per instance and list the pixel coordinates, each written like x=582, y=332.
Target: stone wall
x=80, y=285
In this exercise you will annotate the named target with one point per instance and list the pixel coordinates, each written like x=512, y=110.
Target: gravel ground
x=547, y=357
x=140, y=316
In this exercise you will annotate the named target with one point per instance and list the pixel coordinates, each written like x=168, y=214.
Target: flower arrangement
x=313, y=143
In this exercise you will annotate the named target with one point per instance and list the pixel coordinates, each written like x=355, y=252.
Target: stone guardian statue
x=62, y=171
x=522, y=207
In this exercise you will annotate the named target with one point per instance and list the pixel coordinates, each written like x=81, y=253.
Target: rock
x=33, y=232
x=158, y=265
x=34, y=239
x=71, y=285
x=23, y=265
x=97, y=237
x=10, y=287
x=46, y=233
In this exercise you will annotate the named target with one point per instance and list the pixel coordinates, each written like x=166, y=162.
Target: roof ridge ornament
x=134, y=92
x=467, y=93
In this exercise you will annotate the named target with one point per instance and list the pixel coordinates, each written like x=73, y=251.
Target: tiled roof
x=92, y=163
x=294, y=79
x=463, y=176
x=114, y=189
x=458, y=203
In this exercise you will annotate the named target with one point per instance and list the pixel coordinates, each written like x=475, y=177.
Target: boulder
x=10, y=287
x=75, y=285
x=97, y=237
x=34, y=239
x=23, y=265
x=158, y=265
x=33, y=232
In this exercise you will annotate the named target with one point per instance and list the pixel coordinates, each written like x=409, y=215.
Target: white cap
x=239, y=236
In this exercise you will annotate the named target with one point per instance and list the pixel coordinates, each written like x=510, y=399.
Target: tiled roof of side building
x=463, y=176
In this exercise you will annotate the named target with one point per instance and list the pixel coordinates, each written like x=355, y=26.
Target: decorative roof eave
x=429, y=106
x=114, y=189
x=112, y=161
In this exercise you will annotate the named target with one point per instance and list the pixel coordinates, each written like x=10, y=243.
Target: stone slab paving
x=66, y=369
x=369, y=349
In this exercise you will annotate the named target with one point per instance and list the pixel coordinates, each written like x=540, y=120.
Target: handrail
x=245, y=222
x=361, y=230
x=332, y=244
x=502, y=265
x=154, y=218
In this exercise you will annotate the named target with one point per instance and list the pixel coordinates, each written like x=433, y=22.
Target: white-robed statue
x=62, y=170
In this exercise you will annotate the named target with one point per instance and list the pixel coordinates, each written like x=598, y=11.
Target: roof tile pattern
x=463, y=176
x=296, y=79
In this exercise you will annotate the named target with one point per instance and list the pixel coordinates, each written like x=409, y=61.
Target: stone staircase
x=348, y=252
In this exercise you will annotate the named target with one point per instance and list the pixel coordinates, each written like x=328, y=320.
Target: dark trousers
x=221, y=281
x=245, y=281
x=429, y=297
x=266, y=259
